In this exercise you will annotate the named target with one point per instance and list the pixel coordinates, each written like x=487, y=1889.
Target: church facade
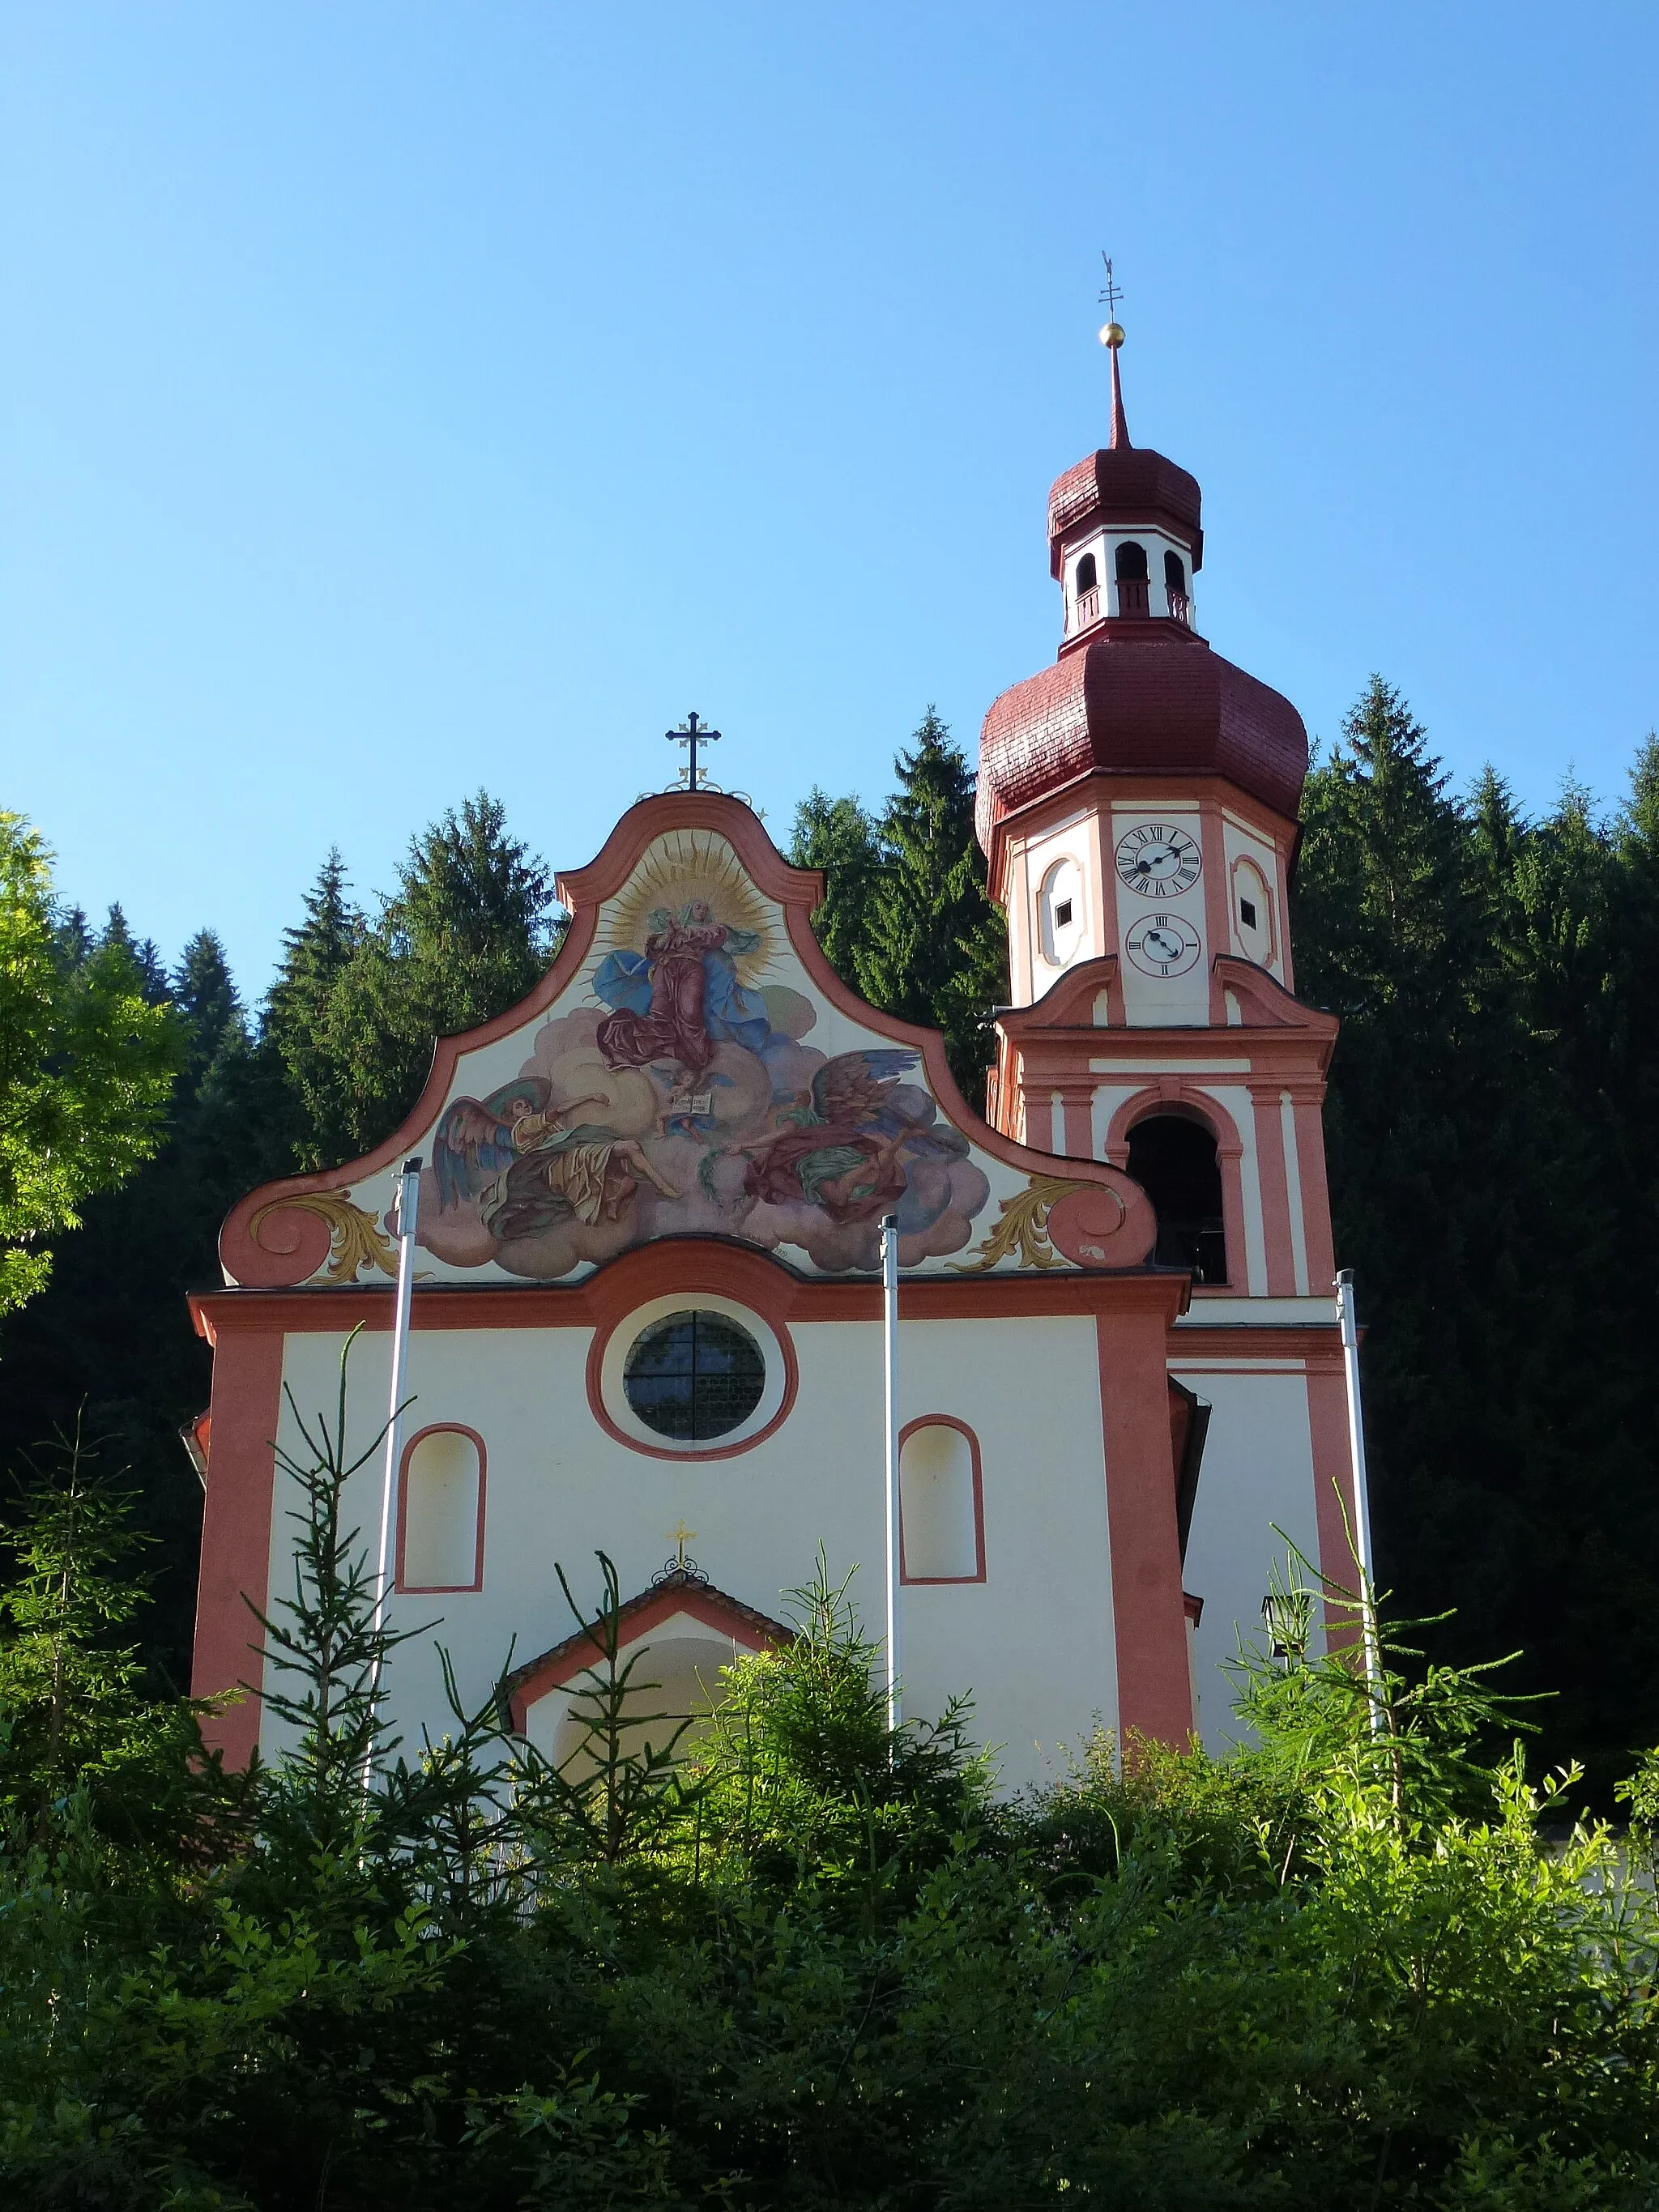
x=647, y=1297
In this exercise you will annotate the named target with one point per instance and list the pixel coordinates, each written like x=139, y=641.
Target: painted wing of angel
x=474, y=1142
x=838, y=1146
x=519, y=1156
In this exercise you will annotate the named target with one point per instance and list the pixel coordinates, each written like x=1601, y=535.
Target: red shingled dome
x=1128, y=484
x=1134, y=704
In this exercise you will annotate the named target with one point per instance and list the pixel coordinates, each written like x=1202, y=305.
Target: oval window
x=693, y=1376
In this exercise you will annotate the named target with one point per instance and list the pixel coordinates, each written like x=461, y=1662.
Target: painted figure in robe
x=841, y=1146
x=680, y=996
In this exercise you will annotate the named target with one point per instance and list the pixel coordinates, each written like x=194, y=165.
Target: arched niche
x=941, y=1503
x=440, y=1509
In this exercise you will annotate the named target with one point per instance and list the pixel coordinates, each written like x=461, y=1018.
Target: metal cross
x=679, y=1535
x=1111, y=293
x=692, y=732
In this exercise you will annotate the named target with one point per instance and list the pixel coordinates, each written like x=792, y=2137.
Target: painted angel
x=516, y=1154
x=839, y=1145
x=680, y=996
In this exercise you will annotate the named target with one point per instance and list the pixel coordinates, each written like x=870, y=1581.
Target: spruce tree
x=466, y=934
x=842, y=839
x=935, y=949
x=297, y=1025
x=206, y=1000
x=117, y=935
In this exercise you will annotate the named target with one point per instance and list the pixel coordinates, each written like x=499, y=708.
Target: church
x=647, y=1295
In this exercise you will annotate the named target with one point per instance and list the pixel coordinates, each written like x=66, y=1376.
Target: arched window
x=1129, y=566
x=1174, y=1160
x=1174, y=573
x=940, y=1513
x=1088, y=576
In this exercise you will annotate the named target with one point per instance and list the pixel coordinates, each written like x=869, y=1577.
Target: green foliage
x=359, y=1003
x=906, y=920
x=87, y=1060
x=816, y=1963
x=110, y=1342
x=1492, y=1129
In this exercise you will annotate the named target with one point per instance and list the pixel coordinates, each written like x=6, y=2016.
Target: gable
x=691, y=1067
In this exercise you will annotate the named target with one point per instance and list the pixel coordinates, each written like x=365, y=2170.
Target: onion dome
x=1135, y=690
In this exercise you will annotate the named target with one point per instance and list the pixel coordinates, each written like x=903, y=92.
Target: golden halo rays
x=674, y=869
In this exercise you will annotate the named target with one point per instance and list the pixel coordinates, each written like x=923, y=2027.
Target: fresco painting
x=681, y=1098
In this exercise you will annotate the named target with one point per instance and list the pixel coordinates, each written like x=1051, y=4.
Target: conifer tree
x=935, y=949
x=842, y=838
x=207, y=1003
x=297, y=1022
x=117, y=936
x=466, y=934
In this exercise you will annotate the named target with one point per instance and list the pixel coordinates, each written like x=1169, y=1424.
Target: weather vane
x=691, y=734
x=1111, y=292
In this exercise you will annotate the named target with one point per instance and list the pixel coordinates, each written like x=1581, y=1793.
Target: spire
x=1112, y=335
x=1118, y=442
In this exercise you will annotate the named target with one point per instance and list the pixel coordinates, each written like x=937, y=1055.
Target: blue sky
x=398, y=399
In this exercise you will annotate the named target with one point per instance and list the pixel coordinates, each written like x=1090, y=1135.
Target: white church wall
x=1034, y=1640
x=1257, y=1473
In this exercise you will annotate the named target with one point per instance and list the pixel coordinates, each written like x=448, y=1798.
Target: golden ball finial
x=1112, y=335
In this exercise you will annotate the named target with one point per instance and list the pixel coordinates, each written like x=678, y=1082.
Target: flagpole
x=406, y=1217
x=889, y=1317
x=1348, y=1322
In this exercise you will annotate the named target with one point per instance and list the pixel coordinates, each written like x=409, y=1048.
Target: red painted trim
x=1332, y=1471
x=1154, y=1691
x=1178, y=1090
x=1193, y=1607
x=434, y=1429
x=945, y=1421
x=1293, y=1344
x=236, y=1569
x=706, y=1283
x=1315, y=1193
x=1213, y=829
x=1274, y=1179
x=582, y=1304
x=740, y=1624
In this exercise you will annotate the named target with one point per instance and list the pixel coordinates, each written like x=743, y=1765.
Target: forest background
x=1493, y=1127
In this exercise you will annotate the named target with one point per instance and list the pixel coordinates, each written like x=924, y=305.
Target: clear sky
x=396, y=400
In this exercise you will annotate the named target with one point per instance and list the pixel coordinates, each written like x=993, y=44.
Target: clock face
x=1163, y=944
x=1155, y=859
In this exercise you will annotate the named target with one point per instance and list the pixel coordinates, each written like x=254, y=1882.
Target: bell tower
x=1138, y=805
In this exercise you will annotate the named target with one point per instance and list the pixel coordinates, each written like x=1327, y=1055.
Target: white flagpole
x=1349, y=1325
x=406, y=1214
x=890, y=1314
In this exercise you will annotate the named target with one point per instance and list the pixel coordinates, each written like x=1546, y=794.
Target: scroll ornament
x=356, y=1239
x=1022, y=1226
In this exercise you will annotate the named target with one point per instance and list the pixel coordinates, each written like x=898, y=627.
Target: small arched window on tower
x=1174, y=1160
x=1129, y=566
x=1085, y=595
x=1175, y=583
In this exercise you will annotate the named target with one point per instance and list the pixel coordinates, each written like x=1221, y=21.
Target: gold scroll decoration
x=1028, y=1224
x=1022, y=1226
x=356, y=1239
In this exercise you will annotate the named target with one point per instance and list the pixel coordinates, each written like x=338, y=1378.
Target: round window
x=693, y=1376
